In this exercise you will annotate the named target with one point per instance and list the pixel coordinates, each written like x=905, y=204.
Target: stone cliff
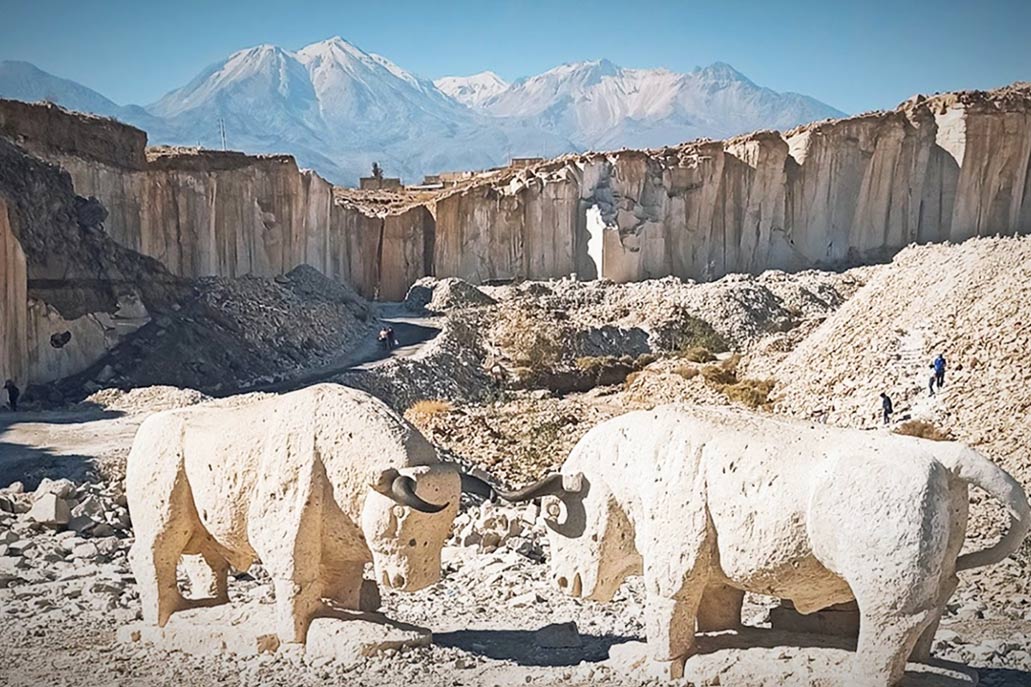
x=215, y=213
x=828, y=194
x=68, y=290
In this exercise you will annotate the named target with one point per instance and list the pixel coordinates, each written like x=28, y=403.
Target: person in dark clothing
x=886, y=406
x=939, y=370
x=392, y=338
x=12, y=394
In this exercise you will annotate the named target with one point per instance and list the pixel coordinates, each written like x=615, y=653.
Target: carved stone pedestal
x=345, y=636
x=770, y=658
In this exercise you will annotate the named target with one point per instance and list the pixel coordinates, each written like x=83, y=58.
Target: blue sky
x=853, y=55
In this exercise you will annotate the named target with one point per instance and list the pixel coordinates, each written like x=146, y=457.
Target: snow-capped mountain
x=26, y=82
x=338, y=109
x=472, y=90
x=601, y=105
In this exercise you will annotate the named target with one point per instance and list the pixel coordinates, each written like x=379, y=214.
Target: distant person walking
x=939, y=370
x=886, y=407
x=12, y=394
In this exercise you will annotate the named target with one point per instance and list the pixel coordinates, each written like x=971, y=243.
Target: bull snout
x=572, y=587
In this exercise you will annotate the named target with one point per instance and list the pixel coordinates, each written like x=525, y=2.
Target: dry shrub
x=752, y=393
x=687, y=371
x=698, y=354
x=924, y=430
x=718, y=375
x=431, y=407
x=529, y=342
x=693, y=332
x=722, y=376
x=630, y=378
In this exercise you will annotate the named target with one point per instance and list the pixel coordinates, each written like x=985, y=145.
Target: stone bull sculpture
x=314, y=484
x=711, y=503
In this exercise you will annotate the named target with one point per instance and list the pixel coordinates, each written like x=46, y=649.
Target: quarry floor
x=60, y=620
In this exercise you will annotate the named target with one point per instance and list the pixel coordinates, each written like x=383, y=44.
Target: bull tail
x=973, y=468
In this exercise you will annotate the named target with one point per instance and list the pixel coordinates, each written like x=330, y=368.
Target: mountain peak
x=474, y=89
x=721, y=71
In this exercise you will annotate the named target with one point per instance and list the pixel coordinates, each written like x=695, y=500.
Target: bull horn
x=549, y=486
x=474, y=485
x=402, y=490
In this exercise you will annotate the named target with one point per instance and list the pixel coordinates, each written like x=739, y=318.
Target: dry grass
x=688, y=371
x=924, y=430
x=431, y=407
x=527, y=342
x=751, y=393
x=722, y=373
x=698, y=354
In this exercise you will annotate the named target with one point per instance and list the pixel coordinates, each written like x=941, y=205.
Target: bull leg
x=288, y=539
x=163, y=529
x=670, y=626
x=720, y=608
x=885, y=642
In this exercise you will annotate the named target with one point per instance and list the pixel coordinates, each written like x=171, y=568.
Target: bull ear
x=384, y=480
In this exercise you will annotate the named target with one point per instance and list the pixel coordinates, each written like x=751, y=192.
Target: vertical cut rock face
x=824, y=195
x=68, y=289
x=13, y=302
x=828, y=194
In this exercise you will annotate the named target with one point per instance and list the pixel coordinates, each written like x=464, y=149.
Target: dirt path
x=411, y=331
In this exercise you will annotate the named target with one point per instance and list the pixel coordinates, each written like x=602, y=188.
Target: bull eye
x=594, y=537
x=411, y=542
x=554, y=510
x=399, y=512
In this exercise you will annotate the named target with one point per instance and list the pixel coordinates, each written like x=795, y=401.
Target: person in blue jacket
x=939, y=370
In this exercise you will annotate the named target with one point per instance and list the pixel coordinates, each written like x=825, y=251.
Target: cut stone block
x=50, y=510
x=769, y=658
x=348, y=641
x=346, y=637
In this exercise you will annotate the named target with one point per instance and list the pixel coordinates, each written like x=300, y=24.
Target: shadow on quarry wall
x=30, y=464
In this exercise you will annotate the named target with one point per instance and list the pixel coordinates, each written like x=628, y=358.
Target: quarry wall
x=825, y=195
x=828, y=194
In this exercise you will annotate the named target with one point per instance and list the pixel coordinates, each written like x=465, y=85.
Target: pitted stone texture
x=303, y=482
x=727, y=659
x=710, y=503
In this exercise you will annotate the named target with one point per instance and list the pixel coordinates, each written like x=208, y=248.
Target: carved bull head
x=407, y=517
x=591, y=538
